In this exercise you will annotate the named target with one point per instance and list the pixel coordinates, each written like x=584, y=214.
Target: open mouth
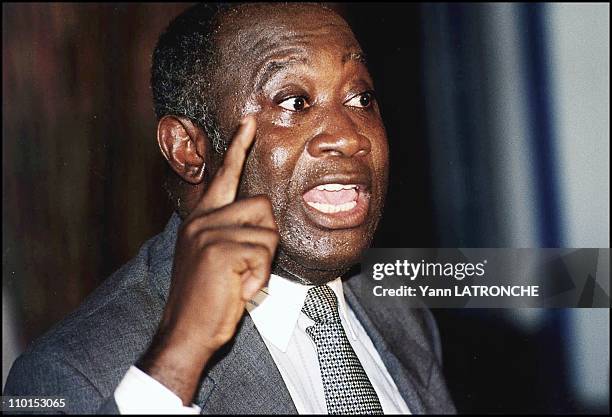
x=332, y=198
x=335, y=205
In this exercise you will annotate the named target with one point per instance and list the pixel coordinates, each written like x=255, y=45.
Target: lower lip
x=343, y=219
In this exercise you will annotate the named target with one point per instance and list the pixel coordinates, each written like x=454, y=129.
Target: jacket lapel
x=244, y=378
x=406, y=361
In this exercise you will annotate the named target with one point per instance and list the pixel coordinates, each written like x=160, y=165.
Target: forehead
x=252, y=34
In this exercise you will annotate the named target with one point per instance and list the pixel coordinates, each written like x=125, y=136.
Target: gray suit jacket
x=85, y=356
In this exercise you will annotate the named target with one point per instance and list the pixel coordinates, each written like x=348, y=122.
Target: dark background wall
x=81, y=168
x=82, y=172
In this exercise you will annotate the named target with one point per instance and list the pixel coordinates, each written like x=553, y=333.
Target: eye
x=294, y=103
x=362, y=100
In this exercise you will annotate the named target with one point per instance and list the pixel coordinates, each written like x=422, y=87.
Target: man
x=268, y=221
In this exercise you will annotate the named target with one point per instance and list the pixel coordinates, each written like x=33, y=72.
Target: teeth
x=335, y=187
x=332, y=208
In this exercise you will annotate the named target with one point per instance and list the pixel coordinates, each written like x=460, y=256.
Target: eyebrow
x=275, y=66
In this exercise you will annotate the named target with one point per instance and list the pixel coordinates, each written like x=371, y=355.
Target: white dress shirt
x=277, y=314
x=139, y=393
x=276, y=311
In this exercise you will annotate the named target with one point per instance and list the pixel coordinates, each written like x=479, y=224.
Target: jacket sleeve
x=46, y=375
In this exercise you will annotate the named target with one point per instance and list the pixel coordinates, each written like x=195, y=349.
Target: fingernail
x=246, y=119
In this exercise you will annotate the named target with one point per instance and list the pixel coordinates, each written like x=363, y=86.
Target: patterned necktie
x=347, y=387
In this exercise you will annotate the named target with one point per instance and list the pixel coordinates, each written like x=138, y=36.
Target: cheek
x=279, y=157
x=278, y=147
x=380, y=148
x=380, y=153
x=270, y=169
x=381, y=162
x=277, y=160
x=284, y=120
x=380, y=171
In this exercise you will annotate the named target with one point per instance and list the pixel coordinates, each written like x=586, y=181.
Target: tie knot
x=321, y=305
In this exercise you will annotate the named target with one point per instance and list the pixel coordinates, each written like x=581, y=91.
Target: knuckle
x=249, y=248
x=204, y=237
x=265, y=203
x=260, y=251
x=273, y=236
x=208, y=252
x=262, y=203
x=213, y=251
x=190, y=229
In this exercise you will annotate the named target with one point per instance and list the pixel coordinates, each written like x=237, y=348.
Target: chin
x=322, y=259
x=312, y=252
x=333, y=262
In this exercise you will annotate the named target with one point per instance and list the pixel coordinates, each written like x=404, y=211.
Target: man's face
x=320, y=152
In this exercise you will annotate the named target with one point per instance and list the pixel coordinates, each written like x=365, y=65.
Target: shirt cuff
x=139, y=393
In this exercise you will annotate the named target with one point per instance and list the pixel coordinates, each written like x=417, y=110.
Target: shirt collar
x=276, y=308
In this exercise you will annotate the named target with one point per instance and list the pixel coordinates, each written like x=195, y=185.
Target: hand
x=223, y=256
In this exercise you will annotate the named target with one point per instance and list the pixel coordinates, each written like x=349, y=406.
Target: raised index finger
x=224, y=186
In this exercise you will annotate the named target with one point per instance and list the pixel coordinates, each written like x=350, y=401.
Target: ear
x=184, y=145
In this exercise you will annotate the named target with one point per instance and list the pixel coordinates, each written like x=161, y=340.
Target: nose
x=339, y=138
